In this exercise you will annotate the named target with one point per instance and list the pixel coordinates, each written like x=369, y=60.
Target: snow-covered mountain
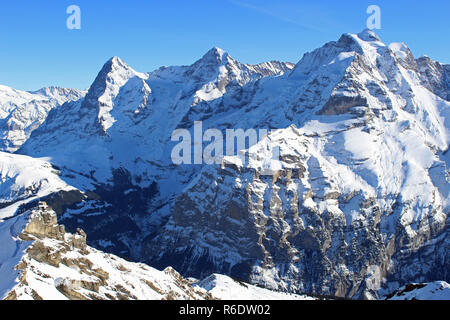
x=357, y=208
x=40, y=260
x=128, y=110
x=22, y=112
x=361, y=203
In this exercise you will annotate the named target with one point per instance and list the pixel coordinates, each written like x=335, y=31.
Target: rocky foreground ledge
x=39, y=260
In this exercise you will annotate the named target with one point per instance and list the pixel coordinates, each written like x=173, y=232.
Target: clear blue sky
x=36, y=48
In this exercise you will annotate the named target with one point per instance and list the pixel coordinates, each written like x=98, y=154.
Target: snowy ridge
x=368, y=162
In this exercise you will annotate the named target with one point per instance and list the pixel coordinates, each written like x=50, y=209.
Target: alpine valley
x=357, y=208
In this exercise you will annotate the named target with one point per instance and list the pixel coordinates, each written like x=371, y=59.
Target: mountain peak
x=215, y=56
x=216, y=51
x=357, y=42
x=207, y=67
x=368, y=35
x=116, y=68
x=113, y=75
x=117, y=61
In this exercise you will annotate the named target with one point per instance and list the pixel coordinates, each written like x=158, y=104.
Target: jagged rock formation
x=347, y=216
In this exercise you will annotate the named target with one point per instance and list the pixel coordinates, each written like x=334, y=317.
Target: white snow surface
x=225, y=288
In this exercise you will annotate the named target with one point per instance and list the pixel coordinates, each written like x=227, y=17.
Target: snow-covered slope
x=358, y=208
x=39, y=260
x=439, y=290
x=225, y=288
x=126, y=109
x=24, y=179
x=22, y=112
x=435, y=76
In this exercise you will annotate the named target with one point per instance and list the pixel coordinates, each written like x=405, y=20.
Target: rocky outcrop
x=435, y=76
x=55, y=264
x=43, y=224
x=59, y=265
x=342, y=104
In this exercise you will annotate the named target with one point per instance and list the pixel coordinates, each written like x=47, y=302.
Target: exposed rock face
x=53, y=264
x=439, y=290
x=435, y=76
x=44, y=224
x=293, y=232
x=342, y=104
